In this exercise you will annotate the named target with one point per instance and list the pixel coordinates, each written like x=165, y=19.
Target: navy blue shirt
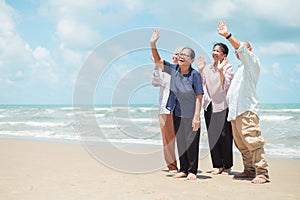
x=183, y=90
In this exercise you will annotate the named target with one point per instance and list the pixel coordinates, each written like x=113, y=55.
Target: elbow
x=155, y=84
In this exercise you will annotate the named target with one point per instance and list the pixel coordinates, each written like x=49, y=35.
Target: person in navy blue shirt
x=185, y=103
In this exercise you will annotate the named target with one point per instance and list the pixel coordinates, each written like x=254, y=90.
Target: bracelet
x=228, y=36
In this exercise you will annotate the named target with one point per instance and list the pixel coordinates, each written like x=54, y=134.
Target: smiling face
x=247, y=45
x=218, y=53
x=186, y=57
x=176, y=55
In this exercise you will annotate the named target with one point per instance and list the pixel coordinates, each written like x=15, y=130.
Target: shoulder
x=244, y=51
x=194, y=72
x=195, y=75
x=228, y=66
x=166, y=63
x=208, y=68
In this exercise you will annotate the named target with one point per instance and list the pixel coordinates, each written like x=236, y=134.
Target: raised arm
x=223, y=31
x=220, y=68
x=201, y=64
x=248, y=59
x=156, y=58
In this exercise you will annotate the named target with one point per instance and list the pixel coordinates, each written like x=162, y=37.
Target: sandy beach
x=50, y=170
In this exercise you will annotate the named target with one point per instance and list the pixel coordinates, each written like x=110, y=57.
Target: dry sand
x=48, y=170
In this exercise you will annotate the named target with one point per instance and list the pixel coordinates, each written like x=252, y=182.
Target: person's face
x=247, y=45
x=217, y=54
x=175, y=57
x=184, y=58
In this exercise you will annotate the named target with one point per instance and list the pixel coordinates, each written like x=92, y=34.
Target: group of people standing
x=230, y=107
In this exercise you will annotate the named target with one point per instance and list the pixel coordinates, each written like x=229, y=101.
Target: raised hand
x=222, y=29
x=154, y=37
x=201, y=63
x=222, y=64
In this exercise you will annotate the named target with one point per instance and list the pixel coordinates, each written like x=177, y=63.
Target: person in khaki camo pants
x=243, y=111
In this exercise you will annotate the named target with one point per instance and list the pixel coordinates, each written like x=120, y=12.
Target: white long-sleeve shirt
x=162, y=79
x=242, y=96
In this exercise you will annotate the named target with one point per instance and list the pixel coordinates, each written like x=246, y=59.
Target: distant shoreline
x=133, y=105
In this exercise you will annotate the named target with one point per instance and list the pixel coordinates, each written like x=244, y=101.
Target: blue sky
x=45, y=44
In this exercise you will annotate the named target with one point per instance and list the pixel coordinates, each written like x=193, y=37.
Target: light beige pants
x=168, y=138
x=249, y=141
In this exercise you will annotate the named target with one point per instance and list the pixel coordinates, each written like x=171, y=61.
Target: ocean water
x=135, y=125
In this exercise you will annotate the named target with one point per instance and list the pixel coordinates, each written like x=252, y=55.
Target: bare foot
x=191, y=176
x=243, y=176
x=260, y=180
x=226, y=171
x=218, y=171
x=180, y=175
x=173, y=171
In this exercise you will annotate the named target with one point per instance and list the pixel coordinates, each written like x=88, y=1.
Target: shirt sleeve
x=197, y=83
x=248, y=59
x=167, y=67
x=228, y=74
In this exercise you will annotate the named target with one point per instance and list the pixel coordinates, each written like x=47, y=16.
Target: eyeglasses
x=184, y=55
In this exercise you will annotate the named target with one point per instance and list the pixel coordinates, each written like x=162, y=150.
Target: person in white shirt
x=243, y=111
x=162, y=80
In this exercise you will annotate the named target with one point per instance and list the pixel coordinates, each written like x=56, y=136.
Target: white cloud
x=79, y=24
x=276, y=70
x=19, y=74
x=70, y=56
x=43, y=66
x=18, y=61
x=12, y=47
x=134, y=5
x=74, y=34
x=280, y=48
x=7, y=24
x=13, y=50
x=286, y=13
x=41, y=53
x=212, y=10
x=264, y=70
x=70, y=8
x=295, y=81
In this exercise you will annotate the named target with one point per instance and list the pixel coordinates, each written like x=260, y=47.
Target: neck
x=184, y=69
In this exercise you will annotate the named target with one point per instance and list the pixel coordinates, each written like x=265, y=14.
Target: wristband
x=228, y=36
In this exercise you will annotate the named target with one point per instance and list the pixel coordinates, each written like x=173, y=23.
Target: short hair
x=191, y=50
x=178, y=50
x=224, y=48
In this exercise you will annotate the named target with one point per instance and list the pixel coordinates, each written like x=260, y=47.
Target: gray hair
x=191, y=50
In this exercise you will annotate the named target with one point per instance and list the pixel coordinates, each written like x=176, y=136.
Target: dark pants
x=220, y=138
x=187, y=144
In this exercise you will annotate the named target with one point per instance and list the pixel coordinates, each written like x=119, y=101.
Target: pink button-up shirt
x=215, y=92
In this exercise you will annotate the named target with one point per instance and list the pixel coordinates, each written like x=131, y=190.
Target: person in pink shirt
x=217, y=77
